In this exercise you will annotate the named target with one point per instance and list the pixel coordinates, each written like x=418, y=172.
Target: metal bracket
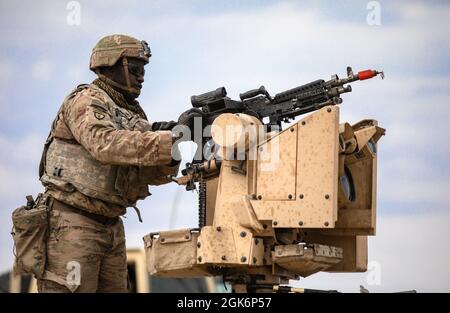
x=239, y=169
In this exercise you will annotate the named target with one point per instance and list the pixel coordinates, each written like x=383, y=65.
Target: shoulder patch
x=99, y=115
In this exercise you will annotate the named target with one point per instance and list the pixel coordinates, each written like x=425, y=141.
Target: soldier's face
x=136, y=73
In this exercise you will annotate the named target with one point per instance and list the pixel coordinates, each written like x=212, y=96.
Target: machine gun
x=299, y=201
x=286, y=105
x=283, y=107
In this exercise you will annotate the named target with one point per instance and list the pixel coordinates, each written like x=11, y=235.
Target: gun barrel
x=311, y=87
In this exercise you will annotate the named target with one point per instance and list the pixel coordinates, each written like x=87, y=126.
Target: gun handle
x=253, y=93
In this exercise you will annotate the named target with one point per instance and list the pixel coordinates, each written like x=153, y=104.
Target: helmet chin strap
x=126, y=88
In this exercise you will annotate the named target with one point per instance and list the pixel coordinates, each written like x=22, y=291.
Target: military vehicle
x=276, y=205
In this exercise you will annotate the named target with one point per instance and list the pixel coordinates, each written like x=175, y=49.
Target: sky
x=198, y=46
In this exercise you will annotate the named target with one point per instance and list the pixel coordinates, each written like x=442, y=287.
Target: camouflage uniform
x=99, y=159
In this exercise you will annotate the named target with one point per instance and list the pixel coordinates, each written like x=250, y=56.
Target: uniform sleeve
x=158, y=175
x=91, y=124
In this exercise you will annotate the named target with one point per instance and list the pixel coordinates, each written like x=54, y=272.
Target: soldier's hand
x=163, y=125
x=184, y=131
x=187, y=117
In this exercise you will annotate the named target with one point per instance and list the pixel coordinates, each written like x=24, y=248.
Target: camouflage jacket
x=101, y=157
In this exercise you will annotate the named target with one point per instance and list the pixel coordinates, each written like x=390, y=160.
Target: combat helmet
x=110, y=49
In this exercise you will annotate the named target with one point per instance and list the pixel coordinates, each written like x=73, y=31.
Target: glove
x=187, y=118
x=163, y=125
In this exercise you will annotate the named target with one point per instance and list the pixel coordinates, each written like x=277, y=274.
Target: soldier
x=100, y=157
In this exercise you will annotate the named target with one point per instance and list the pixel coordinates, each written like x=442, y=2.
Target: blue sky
x=200, y=45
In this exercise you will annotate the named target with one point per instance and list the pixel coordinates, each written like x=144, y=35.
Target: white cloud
x=412, y=178
x=15, y=184
x=407, y=192
x=280, y=46
x=23, y=151
x=42, y=70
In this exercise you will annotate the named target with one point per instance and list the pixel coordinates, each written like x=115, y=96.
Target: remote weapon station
x=275, y=204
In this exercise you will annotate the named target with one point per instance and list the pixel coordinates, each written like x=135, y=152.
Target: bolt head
x=275, y=223
x=199, y=244
x=327, y=196
x=199, y=258
x=218, y=228
x=301, y=196
x=243, y=259
x=254, y=260
x=224, y=257
x=300, y=223
x=329, y=110
x=326, y=224
x=303, y=122
x=162, y=239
